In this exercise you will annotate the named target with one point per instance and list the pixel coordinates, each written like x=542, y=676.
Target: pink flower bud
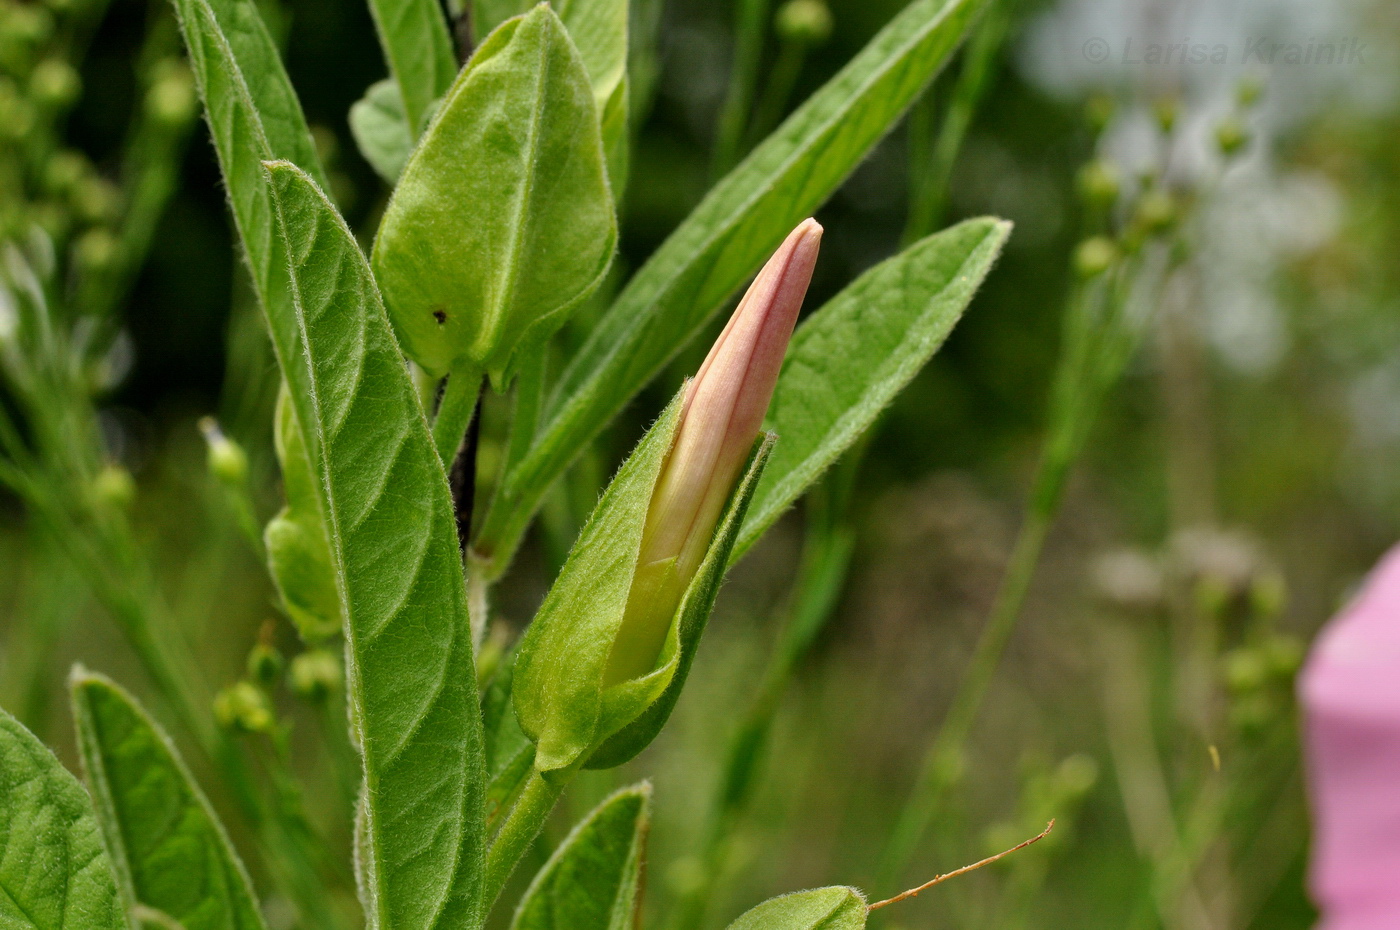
x=1350, y=691
x=722, y=414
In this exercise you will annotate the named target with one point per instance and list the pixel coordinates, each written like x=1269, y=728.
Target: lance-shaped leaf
x=168, y=850
x=298, y=555
x=849, y=359
x=393, y=545
x=380, y=127
x=592, y=880
x=54, y=874
x=413, y=34
x=503, y=220
x=722, y=242
x=834, y=908
x=561, y=699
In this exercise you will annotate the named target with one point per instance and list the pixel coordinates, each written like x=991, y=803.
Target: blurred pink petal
x=1350, y=691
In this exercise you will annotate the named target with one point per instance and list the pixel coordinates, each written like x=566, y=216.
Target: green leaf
x=723, y=242
x=559, y=694
x=380, y=127
x=53, y=872
x=503, y=221
x=393, y=542
x=592, y=880
x=834, y=908
x=413, y=34
x=849, y=359
x=488, y=15
x=168, y=850
x=599, y=30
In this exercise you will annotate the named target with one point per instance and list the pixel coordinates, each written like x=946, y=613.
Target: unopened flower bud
x=1249, y=90
x=723, y=411
x=227, y=460
x=113, y=487
x=170, y=100
x=54, y=84
x=1099, y=184
x=1099, y=111
x=243, y=707
x=1165, y=111
x=264, y=664
x=1156, y=210
x=803, y=22
x=1231, y=136
x=1095, y=256
x=315, y=674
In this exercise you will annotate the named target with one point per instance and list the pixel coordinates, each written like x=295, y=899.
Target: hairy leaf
x=503, y=220
x=848, y=360
x=53, y=872
x=168, y=850
x=413, y=34
x=592, y=880
x=380, y=128
x=834, y=908
x=393, y=543
x=724, y=241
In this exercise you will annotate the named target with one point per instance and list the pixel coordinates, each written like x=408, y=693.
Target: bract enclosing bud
x=602, y=663
x=228, y=463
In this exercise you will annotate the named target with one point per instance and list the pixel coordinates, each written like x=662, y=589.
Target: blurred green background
x=1244, y=469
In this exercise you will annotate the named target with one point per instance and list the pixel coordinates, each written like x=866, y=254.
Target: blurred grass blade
x=592, y=880
x=418, y=48
x=835, y=908
x=852, y=357
x=394, y=547
x=168, y=850
x=53, y=872
x=252, y=60
x=724, y=241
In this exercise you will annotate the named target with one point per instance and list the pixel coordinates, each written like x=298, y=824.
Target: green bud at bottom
x=315, y=675
x=244, y=708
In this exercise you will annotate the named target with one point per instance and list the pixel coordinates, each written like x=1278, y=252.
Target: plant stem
x=931, y=164
x=749, y=20
x=522, y=825
x=454, y=413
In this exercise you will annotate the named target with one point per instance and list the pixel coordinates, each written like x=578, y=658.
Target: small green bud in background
x=1249, y=90
x=1284, y=655
x=601, y=665
x=265, y=664
x=64, y=172
x=1099, y=183
x=54, y=84
x=1156, y=210
x=1098, y=112
x=315, y=675
x=16, y=113
x=1246, y=670
x=1165, y=111
x=228, y=463
x=1252, y=713
x=95, y=250
x=1231, y=136
x=1268, y=594
x=113, y=487
x=803, y=22
x=1094, y=256
x=26, y=24
x=96, y=200
x=1076, y=776
x=244, y=708
x=170, y=99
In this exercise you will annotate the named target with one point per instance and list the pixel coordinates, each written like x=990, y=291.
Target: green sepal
x=503, y=220
x=559, y=697
x=835, y=908
x=169, y=852
x=593, y=879
x=298, y=553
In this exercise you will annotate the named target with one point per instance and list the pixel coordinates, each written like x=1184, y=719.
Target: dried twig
x=938, y=880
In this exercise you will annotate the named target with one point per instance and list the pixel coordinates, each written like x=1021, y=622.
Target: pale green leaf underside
x=592, y=879
x=727, y=237
x=54, y=874
x=852, y=357
x=380, y=128
x=503, y=220
x=834, y=908
x=393, y=543
x=413, y=34
x=169, y=851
